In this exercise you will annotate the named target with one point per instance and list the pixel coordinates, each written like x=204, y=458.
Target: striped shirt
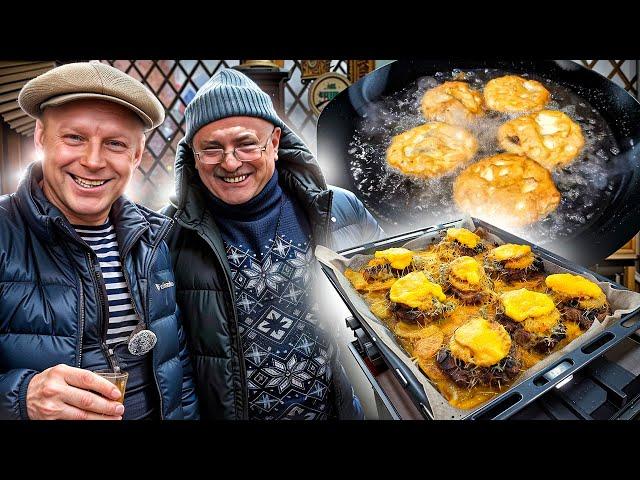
x=122, y=316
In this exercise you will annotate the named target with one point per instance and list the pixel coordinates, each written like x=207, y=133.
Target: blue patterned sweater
x=270, y=252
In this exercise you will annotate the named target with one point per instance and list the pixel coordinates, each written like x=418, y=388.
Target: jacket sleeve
x=189, y=398
x=352, y=223
x=13, y=393
x=370, y=229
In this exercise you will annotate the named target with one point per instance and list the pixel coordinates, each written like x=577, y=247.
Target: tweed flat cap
x=75, y=81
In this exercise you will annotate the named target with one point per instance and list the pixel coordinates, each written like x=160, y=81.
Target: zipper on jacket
x=123, y=257
x=110, y=356
x=327, y=232
x=243, y=368
x=112, y=359
x=81, y=324
x=104, y=308
x=161, y=236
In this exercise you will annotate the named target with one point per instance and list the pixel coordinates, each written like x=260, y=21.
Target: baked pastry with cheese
x=467, y=280
x=512, y=93
x=480, y=352
x=454, y=103
x=506, y=190
x=464, y=241
x=389, y=263
x=513, y=262
x=431, y=150
x=532, y=319
x=579, y=300
x=549, y=137
x=414, y=298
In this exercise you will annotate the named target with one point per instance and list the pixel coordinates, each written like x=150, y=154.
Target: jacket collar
x=297, y=168
x=131, y=221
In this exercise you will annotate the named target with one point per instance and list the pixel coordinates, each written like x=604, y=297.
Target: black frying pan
x=600, y=207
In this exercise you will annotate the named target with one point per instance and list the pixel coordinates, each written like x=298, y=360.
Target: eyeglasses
x=247, y=153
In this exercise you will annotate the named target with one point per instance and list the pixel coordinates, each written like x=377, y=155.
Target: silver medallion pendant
x=142, y=341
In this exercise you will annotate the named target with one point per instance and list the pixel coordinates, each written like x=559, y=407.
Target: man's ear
x=38, y=138
x=140, y=150
x=276, y=140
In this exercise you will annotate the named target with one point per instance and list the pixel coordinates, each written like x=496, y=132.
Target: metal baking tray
x=519, y=396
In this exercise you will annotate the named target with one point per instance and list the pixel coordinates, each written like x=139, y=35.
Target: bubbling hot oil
x=586, y=184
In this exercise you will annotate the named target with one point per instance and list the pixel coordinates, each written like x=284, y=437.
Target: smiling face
x=232, y=181
x=89, y=150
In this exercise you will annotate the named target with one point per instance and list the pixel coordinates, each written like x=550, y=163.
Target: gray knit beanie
x=229, y=93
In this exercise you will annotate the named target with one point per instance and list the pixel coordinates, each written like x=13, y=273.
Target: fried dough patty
x=431, y=150
x=512, y=93
x=506, y=189
x=453, y=103
x=549, y=137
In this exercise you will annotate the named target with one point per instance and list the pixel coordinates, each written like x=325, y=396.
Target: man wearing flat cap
x=251, y=204
x=85, y=275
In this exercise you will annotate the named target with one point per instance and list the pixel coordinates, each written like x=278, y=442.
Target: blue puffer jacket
x=48, y=296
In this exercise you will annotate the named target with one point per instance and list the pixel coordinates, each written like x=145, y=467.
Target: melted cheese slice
x=464, y=236
x=510, y=251
x=522, y=304
x=399, y=258
x=466, y=269
x=416, y=291
x=573, y=285
x=480, y=342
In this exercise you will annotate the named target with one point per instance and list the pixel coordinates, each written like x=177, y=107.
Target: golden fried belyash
x=549, y=137
x=507, y=190
x=452, y=102
x=512, y=94
x=431, y=150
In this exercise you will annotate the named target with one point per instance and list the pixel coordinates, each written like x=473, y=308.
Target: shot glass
x=119, y=379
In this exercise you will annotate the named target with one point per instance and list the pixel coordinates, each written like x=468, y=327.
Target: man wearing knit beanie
x=251, y=205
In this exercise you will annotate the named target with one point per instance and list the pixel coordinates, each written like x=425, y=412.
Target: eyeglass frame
x=226, y=152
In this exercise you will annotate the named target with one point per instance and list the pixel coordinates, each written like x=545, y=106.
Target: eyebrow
x=216, y=144
x=82, y=130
